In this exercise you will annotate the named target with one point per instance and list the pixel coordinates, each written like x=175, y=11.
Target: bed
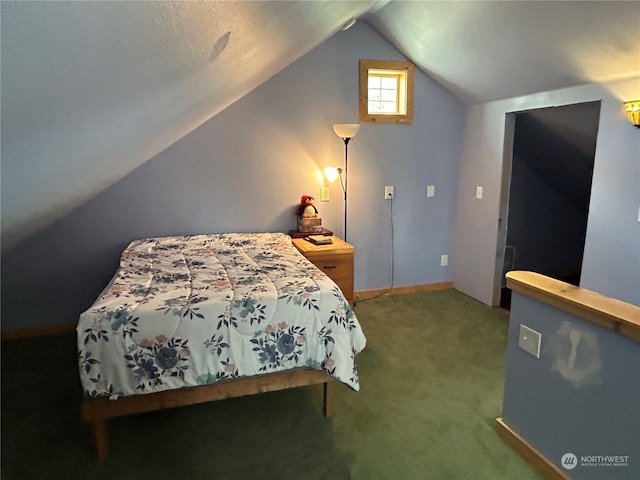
x=191, y=319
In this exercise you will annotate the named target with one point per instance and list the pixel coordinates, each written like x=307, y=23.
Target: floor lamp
x=346, y=131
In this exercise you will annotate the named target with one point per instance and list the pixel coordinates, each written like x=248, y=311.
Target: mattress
x=193, y=310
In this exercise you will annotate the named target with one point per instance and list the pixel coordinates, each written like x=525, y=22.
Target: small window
x=386, y=91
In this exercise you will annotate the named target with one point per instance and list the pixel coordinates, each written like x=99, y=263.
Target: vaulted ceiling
x=91, y=90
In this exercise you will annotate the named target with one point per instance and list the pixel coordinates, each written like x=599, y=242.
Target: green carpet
x=431, y=388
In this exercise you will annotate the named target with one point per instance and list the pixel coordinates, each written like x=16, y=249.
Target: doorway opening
x=546, y=189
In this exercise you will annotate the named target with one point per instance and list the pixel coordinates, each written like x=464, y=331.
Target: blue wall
x=611, y=262
x=588, y=407
x=245, y=170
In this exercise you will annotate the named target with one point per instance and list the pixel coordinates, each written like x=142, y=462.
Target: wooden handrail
x=605, y=311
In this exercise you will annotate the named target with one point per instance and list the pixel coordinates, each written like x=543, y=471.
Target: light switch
x=529, y=340
x=431, y=191
x=479, y=192
x=325, y=194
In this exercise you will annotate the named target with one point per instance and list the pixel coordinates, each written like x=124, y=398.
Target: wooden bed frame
x=97, y=411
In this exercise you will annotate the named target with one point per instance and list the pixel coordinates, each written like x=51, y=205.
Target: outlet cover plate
x=529, y=340
x=388, y=192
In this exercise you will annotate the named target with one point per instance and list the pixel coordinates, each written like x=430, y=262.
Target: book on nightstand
x=299, y=234
x=320, y=239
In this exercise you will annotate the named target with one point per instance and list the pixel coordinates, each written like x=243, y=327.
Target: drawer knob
x=328, y=267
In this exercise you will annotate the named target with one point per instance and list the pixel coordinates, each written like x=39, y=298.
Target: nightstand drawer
x=335, y=260
x=340, y=269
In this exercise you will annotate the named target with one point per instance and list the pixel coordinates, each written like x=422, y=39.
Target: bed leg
x=327, y=399
x=100, y=439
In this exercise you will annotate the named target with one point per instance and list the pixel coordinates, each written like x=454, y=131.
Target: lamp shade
x=633, y=112
x=332, y=173
x=346, y=130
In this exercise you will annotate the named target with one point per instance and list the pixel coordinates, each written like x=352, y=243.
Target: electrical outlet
x=388, y=192
x=529, y=340
x=444, y=260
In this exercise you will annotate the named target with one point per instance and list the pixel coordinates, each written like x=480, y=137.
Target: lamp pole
x=346, y=131
x=346, y=159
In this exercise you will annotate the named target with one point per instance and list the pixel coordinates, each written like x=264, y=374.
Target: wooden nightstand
x=335, y=259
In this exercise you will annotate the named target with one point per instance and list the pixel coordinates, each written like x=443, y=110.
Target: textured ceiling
x=91, y=90
x=486, y=51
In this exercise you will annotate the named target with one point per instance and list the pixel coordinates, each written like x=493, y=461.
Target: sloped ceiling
x=91, y=90
x=485, y=51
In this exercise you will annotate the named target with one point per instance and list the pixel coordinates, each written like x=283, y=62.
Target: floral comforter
x=185, y=311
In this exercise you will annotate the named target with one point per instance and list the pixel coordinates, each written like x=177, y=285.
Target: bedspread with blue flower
x=193, y=310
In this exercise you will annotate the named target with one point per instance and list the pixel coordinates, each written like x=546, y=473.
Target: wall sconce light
x=633, y=112
x=346, y=131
